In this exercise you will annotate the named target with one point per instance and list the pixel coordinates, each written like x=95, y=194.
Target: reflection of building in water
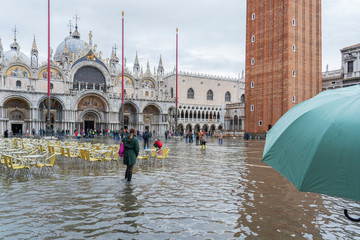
x=86, y=92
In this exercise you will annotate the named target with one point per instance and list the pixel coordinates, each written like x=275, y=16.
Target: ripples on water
x=224, y=192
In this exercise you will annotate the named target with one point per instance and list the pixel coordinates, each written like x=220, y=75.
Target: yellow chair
x=17, y=166
x=142, y=156
x=165, y=154
x=50, y=164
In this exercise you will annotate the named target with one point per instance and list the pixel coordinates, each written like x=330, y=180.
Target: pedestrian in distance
x=220, y=138
x=6, y=134
x=146, y=138
x=131, y=151
x=203, y=141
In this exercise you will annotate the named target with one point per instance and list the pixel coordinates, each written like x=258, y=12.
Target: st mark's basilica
x=86, y=93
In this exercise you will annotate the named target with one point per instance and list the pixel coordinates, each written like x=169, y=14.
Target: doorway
x=89, y=125
x=15, y=128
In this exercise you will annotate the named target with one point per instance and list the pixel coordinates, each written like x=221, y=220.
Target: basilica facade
x=86, y=92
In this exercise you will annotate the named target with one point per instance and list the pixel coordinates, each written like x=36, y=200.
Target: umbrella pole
x=350, y=218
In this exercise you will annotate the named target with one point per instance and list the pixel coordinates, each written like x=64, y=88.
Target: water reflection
x=224, y=192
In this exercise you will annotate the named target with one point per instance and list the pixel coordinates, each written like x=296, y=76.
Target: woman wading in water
x=131, y=151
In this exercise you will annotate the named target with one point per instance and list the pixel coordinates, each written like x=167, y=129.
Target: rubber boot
x=126, y=175
x=205, y=147
x=129, y=176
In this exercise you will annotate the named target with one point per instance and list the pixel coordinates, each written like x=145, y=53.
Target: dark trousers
x=128, y=173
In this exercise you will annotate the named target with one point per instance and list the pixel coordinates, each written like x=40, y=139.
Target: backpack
x=146, y=136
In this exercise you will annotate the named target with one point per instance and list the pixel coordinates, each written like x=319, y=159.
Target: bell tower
x=283, y=59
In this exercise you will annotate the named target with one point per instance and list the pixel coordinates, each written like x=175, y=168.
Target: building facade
x=86, y=92
x=283, y=59
x=349, y=73
x=204, y=101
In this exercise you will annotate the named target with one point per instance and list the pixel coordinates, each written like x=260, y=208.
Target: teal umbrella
x=316, y=144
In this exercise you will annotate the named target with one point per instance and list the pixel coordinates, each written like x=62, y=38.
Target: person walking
x=220, y=138
x=131, y=151
x=203, y=141
x=146, y=138
x=6, y=134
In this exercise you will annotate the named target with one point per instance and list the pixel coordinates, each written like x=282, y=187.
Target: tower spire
x=34, y=45
x=76, y=34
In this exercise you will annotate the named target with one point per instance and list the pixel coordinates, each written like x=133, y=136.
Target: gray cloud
x=211, y=33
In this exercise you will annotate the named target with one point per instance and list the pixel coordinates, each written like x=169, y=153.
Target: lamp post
x=48, y=122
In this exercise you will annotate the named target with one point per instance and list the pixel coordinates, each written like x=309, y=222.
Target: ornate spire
x=76, y=34
x=136, y=64
x=15, y=46
x=1, y=47
x=90, y=40
x=160, y=63
x=34, y=45
x=113, y=55
x=66, y=50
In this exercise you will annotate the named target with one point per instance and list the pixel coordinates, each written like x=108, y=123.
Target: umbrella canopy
x=316, y=144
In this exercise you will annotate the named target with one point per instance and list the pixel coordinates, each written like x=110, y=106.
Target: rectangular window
x=293, y=48
x=252, y=108
x=350, y=67
x=293, y=99
x=253, y=16
x=293, y=73
x=293, y=22
x=252, y=61
x=260, y=123
x=252, y=84
x=253, y=39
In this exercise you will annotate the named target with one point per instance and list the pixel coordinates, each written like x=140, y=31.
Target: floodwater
x=224, y=192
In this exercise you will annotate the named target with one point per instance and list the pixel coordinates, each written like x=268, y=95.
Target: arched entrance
x=130, y=116
x=205, y=128
x=92, y=110
x=220, y=127
x=180, y=128
x=197, y=128
x=151, y=118
x=188, y=128
x=56, y=109
x=17, y=110
x=91, y=121
x=212, y=128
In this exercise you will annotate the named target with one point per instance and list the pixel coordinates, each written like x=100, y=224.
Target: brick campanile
x=283, y=58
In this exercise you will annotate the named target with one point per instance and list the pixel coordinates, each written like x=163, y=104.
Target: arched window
x=171, y=92
x=210, y=95
x=18, y=84
x=190, y=93
x=227, y=97
x=242, y=98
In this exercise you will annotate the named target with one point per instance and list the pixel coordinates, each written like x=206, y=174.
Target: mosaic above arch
x=18, y=71
x=147, y=84
x=128, y=82
x=92, y=102
x=54, y=74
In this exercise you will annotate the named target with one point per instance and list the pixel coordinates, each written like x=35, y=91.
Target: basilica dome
x=15, y=55
x=73, y=45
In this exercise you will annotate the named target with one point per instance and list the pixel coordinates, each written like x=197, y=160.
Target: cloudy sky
x=211, y=33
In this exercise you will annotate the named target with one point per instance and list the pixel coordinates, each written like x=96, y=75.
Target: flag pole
x=176, y=100
x=48, y=123
x=122, y=78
